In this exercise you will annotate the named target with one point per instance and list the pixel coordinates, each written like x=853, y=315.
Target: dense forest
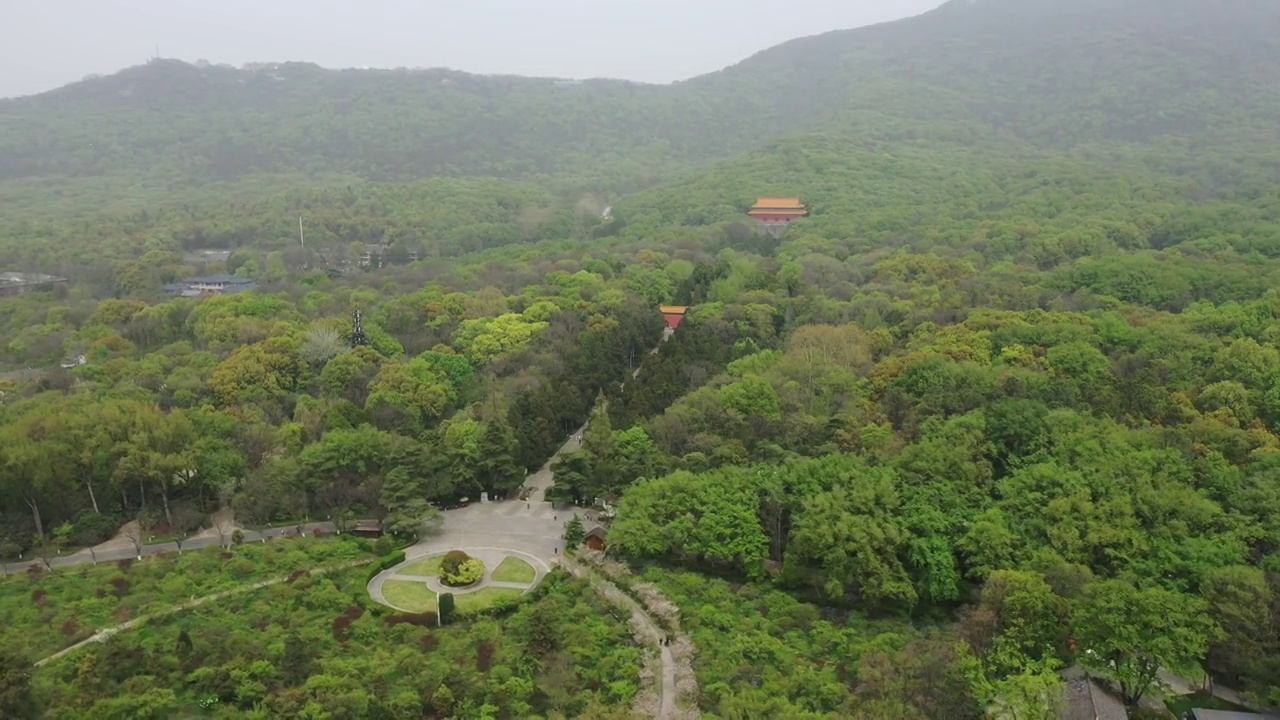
x=1006, y=402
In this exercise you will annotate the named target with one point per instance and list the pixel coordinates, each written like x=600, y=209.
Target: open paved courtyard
x=530, y=529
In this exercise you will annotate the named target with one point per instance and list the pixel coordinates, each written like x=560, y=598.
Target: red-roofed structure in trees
x=673, y=314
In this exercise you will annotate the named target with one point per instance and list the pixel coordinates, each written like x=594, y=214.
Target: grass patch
x=483, y=598
x=513, y=569
x=1180, y=704
x=409, y=595
x=417, y=597
x=424, y=567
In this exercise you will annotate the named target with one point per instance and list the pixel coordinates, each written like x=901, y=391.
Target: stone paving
x=530, y=530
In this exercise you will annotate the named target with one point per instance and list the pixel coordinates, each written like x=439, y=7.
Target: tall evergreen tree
x=574, y=533
x=498, y=471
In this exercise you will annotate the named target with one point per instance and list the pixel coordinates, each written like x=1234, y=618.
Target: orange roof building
x=778, y=210
x=673, y=314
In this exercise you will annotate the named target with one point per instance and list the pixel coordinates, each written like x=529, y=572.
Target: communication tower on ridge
x=357, y=330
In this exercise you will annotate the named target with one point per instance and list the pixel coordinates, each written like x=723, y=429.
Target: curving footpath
x=645, y=622
x=108, y=633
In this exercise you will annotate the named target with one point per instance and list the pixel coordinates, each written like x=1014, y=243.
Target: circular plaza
x=416, y=584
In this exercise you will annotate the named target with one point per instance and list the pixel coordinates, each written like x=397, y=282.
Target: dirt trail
x=108, y=633
x=647, y=626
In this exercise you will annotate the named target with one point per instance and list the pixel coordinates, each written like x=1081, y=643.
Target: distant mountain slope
x=1051, y=73
x=220, y=123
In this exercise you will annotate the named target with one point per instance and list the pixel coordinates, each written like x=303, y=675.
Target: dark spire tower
x=357, y=330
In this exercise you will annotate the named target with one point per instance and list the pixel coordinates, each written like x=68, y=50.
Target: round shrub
x=453, y=560
x=467, y=573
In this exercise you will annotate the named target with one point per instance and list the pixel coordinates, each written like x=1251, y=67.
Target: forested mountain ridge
x=217, y=122
x=1007, y=401
x=1045, y=73
x=1048, y=72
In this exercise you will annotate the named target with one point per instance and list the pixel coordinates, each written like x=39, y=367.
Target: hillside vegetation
x=316, y=645
x=992, y=71
x=1007, y=401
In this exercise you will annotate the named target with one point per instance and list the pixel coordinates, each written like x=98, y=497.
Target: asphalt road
x=119, y=553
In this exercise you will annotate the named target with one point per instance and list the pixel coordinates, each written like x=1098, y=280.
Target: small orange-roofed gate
x=673, y=314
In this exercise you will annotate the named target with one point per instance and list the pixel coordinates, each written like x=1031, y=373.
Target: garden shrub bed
x=459, y=569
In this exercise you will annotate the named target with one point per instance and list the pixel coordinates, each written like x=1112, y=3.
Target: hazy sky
x=48, y=43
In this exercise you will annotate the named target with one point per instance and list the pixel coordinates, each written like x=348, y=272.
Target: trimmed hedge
x=423, y=619
x=445, y=607
x=386, y=562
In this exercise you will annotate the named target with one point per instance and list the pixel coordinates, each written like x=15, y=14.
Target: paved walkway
x=543, y=479
x=437, y=586
x=1182, y=686
x=121, y=547
x=113, y=550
